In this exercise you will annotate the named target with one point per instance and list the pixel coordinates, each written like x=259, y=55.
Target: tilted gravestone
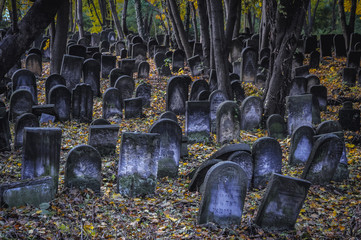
x=199, y=174
x=71, y=70
x=196, y=65
x=159, y=60
x=249, y=65
x=133, y=107
x=138, y=164
x=196, y=87
x=198, y=121
x=276, y=126
x=108, y=62
x=25, y=120
x=21, y=101
x=299, y=109
x=178, y=57
x=112, y=104
x=282, y=203
x=139, y=53
x=326, y=45
x=225, y=188
x=298, y=86
x=228, y=122
x=104, y=138
x=339, y=45
x=169, y=115
x=126, y=85
x=114, y=74
x=91, y=75
x=41, y=153
x=143, y=69
x=83, y=168
x=251, y=113
x=297, y=60
x=245, y=161
x=267, y=157
x=60, y=96
x=33, y=63
x=324, y=159
x=312, y=80
x=215, y=99
x=25, y=80
x=52, y=81
x=320, y=93
x=353, y=59
x=144, y=91
x=177, y=94
x=170, y=146
x=348, y=117
x=77, y=50
x=82, y=103
x=301, y=145
x=329, y=126
x=314, y=60
x=236, y=49
x=227, y=150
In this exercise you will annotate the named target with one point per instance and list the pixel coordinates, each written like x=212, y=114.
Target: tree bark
x=124, y=18
x=212, y=63
x=71, y=15
x=116, y=19
x=349, y=28
x=194, y=21
x=187, y=19
x=220, y=47
x=265, y=24
x=75, y=16
x=237, y=25
x=204, y=27
x=334, y=14
x=139, y=16
x=61, y=30
x=13, y=45
x=80, y=18
x=14, y=16
x=103, y=12
x=231, y=20
x=176, y=33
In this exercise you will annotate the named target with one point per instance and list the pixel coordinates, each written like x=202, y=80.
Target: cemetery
x=137, y=137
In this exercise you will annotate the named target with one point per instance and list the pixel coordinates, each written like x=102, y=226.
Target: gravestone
x=112, y=37
x=310, y=44
x=314, y=60
x=354, y=39
x=133, y=107
x=251, y=113
x=83, y=168
x=339, y=45
x=5, y=135
x=100, y=121
x=108, y=62
x=301, y=145
x=91, y=75
x=21, y=102
x=298, y=86
x=144, y=91
x=165, y=70
x=170, y=146
x=329, y=126
x=203, y=95
x=245, y=161
x=33, y=63
x=143, y=70
x=127, y=66
x=349, y=118
x=326, y=45
x=353, y=59
x=37, y=51
x=71, y=70
x=138, y=164
x=224, y=195
x=228, y=122
x=125, y=84
x=159, y=60
x=139, y=53
x=178, y=57
x=267, y=157
x=323, y=161
x=215, y=99
x=25, y=80
x=299, y=109
x=320, y=93
x=104, y=138
x=112, y=104
x=114, y=74
x=248, y=65
x=276, y=127
x=177, y=94
x=82, y=103
x=227, y=150
x=197, y=49
x=297, y=60
x=52, y=81
x=301, y=71
x=196, y=87
x=195, y=65
x=282, y=203
x=77, y=50
x=236, y=49
x=197, y=121
x=169, y=115
x=312, y=80
x=41, y=153
x=105, y=45
x=119, y=45
x=25, y=120
x=60, y=96
x=349, y=76
x=199, y=175
x=238, y=91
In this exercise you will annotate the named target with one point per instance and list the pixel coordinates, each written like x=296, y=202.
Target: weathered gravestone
x=224, y=195
x=71, y=70
x=329, y=126
x=339, y=45
x=104, y=138
x=312, y=80
x=25, y=80
x=114, y=74
x=301, y=71
x=297, y=60
x=249, y=65
x=169, y=115
x=227, y=150
x=170, y=146
x=41, y=153
x=196, y=65
x=5, y=135
x=236, y=49
x=33, y=63
x=77, y=50
x=83, y=168
x=203, y=95
x=228, y=122
x=144, y=91
x=215, y=99
x=267, y=157
x=198, y=121
x=52, y=81
x=245, y=161
x=91, y=75
x=60, y=96
x=238, y=91
x=326, y=41
x=143, y=69
x=112, y=104
x=349, y=76
x=298, y=86
x=301, y=145
x=320, y=93
x=82, y=103
x=108, y=62
x=314, y=60
x=138, y=164
x=100, y=121
x=276, y=126
x=353, y=59
x=199, y=174
x=21, y=102
x=196, y=87
x=104, y=45
x=139, y=53
x=348, y=117
x=251, y=113
x=354, y=39
x=177, y=94
x=133, y=107
x=324, y=158
x=310, y=44
x=282, y=202
x=126, y=85
x=178, y=57
x=25, y=120
x=299, y=109
x=119, y=45
x=159, y=60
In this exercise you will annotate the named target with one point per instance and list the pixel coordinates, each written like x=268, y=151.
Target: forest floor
x=331, y=211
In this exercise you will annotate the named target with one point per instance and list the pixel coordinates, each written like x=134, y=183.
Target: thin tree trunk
x=75, y=16
x=237, y=25
x=71, y=15
x=80, y=18
x=194, y=20
x=175, y=29
x=59, y=45
x=139, y=16
x=204, y=27
x=116, y=19
x=231, y=20
x=334, y=14
x=313, y=17
x=103, y=12
x=350, y=27
x=124, y=17
x=91, y=2
x=14, y=19
x=187, y=17
x=265, y=24
x=212, y=63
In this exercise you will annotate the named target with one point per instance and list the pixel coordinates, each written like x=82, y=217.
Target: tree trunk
x=265, y=24
x=231, y=20
x=176, y=33
x=187, y=17
x=311, y=18
x=179, y=25
x=124, y=17
x=349, y=28
x=334, y=14
x=14, y=20
x=116, y=19
x=61, y=30
x=2, y=6
x=237, y=25
x=194, y=22
x=71, y=15
x=139, y=16
x=212, y=63
x=13, y=45
x=286, y=26
x=75, y=16
x=220, y=47
x=80, y=18
x=204, y=27
x=103, y=12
